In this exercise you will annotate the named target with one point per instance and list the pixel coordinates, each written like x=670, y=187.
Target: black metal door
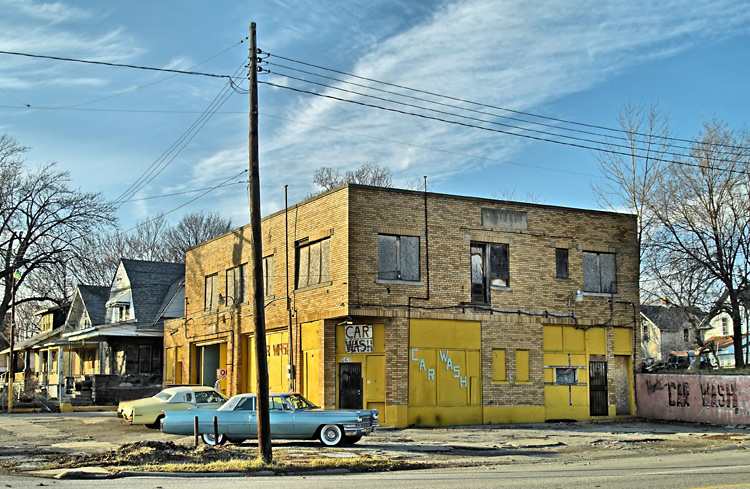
x=598, y=396
x=350, y=386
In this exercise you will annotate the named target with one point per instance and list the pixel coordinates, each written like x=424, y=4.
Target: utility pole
x=256, y=258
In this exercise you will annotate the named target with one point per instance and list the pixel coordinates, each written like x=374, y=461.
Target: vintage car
x=291, y=416
x=148, y=411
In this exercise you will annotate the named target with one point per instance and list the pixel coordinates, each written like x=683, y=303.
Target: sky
x=160, y=142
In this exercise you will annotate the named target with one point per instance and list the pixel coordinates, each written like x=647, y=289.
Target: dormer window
x=120, y=312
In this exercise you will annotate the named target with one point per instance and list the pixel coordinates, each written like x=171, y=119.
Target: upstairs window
x=211, y=298
x=268, y=276
x=561, y=263
x=236, y=278
x=599, y=275
x=489, y=270
x=398, y=258
x=313, y=263
x=726, y=330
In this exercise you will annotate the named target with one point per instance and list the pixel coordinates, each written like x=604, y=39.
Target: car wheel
x=351, y=440
x=331, y=435
x=210, y=439
x=156, y=424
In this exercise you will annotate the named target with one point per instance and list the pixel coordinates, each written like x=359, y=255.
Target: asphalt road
x=724, y=469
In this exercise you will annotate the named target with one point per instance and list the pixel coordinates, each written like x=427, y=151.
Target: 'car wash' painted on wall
x=715, y=399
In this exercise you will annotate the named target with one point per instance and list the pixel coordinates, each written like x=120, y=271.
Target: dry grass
x=170, y=457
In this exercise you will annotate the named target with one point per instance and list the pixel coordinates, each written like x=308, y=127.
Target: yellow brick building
x=434, y=309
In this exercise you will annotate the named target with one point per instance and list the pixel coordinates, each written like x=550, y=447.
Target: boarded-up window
x=599, y=273
x=313, y=263
x=268, y=276
x=236, y=285
x=522, y=365
x=398, y=258
x=211, y=295
x=561, y=262
x=498, y=365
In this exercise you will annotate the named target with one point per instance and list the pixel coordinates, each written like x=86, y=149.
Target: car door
x=281, y=416
x=241, y=422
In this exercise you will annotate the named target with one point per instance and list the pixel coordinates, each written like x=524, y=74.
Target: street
x=695, y=470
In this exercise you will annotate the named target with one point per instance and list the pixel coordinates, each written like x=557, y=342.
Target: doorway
x=350, y=386
x=598, y=393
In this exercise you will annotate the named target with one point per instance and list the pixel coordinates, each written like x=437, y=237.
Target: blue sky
x=576, y=60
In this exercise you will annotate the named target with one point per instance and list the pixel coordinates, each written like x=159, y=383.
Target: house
x=669, y=328
x=434, y=309
x=110, y=344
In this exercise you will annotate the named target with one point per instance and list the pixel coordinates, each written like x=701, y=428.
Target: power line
x=119, y=65
x=421, y=99
x=509, y=126
x=473, y=126
x=457, y=153
x=456, y=99
x=161, y=163
x=163, y=196
x=186, y=203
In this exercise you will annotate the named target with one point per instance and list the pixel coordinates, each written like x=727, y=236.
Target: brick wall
x=352, y=217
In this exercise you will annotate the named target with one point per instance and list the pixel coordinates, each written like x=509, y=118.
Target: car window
x=208, y=397
x=299, y=402
x=246, y=404
x=277, y=403
x=188, y=397
x=163, y=395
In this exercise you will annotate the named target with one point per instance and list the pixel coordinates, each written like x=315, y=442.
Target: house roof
x=94, y=298
x=671, y=318
x=150, y=285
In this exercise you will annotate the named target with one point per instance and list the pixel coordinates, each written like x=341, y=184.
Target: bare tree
x=701, y=206
x=510, y=194
x=193, y=229
x=43, y=224
x=630, y=179
x=366, y=174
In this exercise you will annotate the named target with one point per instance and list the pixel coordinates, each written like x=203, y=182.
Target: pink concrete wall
x=715, y=399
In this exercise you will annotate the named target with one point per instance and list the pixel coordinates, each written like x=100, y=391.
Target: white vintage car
x=291, y=416
x=148, y=411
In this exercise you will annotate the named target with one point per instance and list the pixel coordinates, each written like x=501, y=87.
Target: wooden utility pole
x=256, y=258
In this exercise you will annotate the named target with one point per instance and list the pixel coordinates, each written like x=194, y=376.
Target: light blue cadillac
x=291, y=415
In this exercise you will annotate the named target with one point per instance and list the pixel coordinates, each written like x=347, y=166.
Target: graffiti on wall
x=703, y=398
x=446, y=360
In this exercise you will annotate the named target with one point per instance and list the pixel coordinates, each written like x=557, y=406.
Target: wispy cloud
x=514, y=54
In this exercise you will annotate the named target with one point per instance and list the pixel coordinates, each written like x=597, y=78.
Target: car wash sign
x=358, y=338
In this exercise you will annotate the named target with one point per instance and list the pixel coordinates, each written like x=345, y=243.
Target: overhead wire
x=186, y=203
x=481, y=104
x=474, y=126
x=476, y=119
x=169, y=155
x=615, y=136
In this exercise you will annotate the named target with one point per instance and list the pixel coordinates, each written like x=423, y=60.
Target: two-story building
x=434, y=309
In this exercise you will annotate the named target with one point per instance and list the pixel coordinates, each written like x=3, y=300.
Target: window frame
x=210, y=298
x=308, y=252
x=405, y=254
x=488, y=260
x=238, y=286
x=142, y=359
x=596, y=259
x=268, y=276
x=562, y=263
